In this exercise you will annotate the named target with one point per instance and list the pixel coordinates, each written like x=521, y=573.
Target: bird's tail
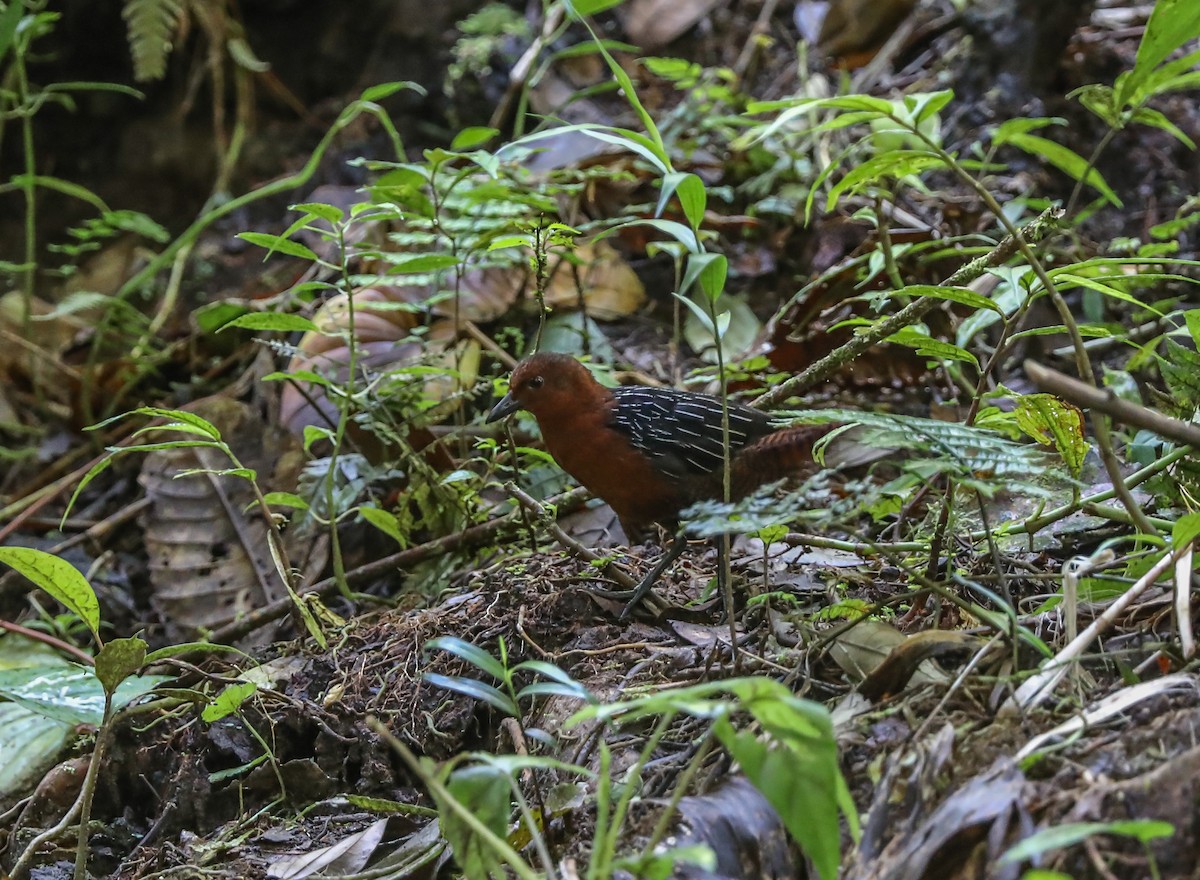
x=784, y=453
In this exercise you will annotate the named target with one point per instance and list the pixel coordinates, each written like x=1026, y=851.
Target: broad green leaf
x=71, y=694
x=592, y=7
x=710, y=269
x=472, y=137
x=332, y=214
x=1065, y=160
x=486, y=793
x=289, y=500
x=60, y=579
x=693, y=199
x=930, y=347
x=30, y=742
x=1185, y=530
x=411, y=264
x=276, y=243
x=228, y=701
x=801, y=787
x=118, y=660
x=1172, y=24
x=892, y=165
x=273, y=322
x=386, y=522
x=1052, y=422
x=1192, y=318
x=925, y=104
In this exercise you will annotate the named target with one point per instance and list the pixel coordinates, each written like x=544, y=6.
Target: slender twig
x=47, y=639
x=913, y=312
x=610, y=568
x=405, y=559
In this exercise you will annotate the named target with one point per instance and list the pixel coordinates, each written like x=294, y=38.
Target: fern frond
x=981, y=457
x=151, y=25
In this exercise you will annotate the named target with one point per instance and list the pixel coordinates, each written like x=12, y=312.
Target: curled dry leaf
x=852, y=31
x=652, y=24
x=209, y=558
x=598, y=281
x=885, y=660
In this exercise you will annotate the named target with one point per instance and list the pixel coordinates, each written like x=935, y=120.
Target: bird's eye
x=535, y=382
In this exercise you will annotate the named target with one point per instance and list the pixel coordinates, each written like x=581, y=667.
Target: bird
x=650, y=453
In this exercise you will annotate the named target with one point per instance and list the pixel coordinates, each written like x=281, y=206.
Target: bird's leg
x=672, y=553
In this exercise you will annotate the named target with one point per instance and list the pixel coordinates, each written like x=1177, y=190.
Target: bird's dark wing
x=680, y=431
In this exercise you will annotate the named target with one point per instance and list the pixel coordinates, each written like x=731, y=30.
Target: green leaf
x=60, y=579
x=66, y=187
x=1052, y=422
x=710, y=269
x=473, y=654
x=892, y=165
x=202, y=425
x=332, y=214
x=1192, y=318
x=1155, y=119
x=692, y=196
x=118, y=660
x=187, y=648
x=472, y=137
x=70, y=693
x=228, y=701
x=411, y=264
x=276, y=243
x=476, y=690
x=1071, y=833
x=620, y=137
x=1185, y=530
x=386, y=522
x=289, y=500
x=212, y=317
x=673, y=228
x=592, y=7
x=930, y=347
x=485, y=791
x=713, y=273
x=9, y=19
x=1065, y=160
x=1180, y=369
x=962, y=295
x=384, y=90
x=1172, y=23
x=273, y=322
x=799, y=786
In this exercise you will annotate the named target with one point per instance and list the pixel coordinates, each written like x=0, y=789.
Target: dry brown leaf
x=208, y=552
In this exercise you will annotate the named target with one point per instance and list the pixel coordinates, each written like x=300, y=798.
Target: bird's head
x=543, y=384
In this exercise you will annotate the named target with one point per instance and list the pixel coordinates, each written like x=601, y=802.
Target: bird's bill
x=506, y=407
